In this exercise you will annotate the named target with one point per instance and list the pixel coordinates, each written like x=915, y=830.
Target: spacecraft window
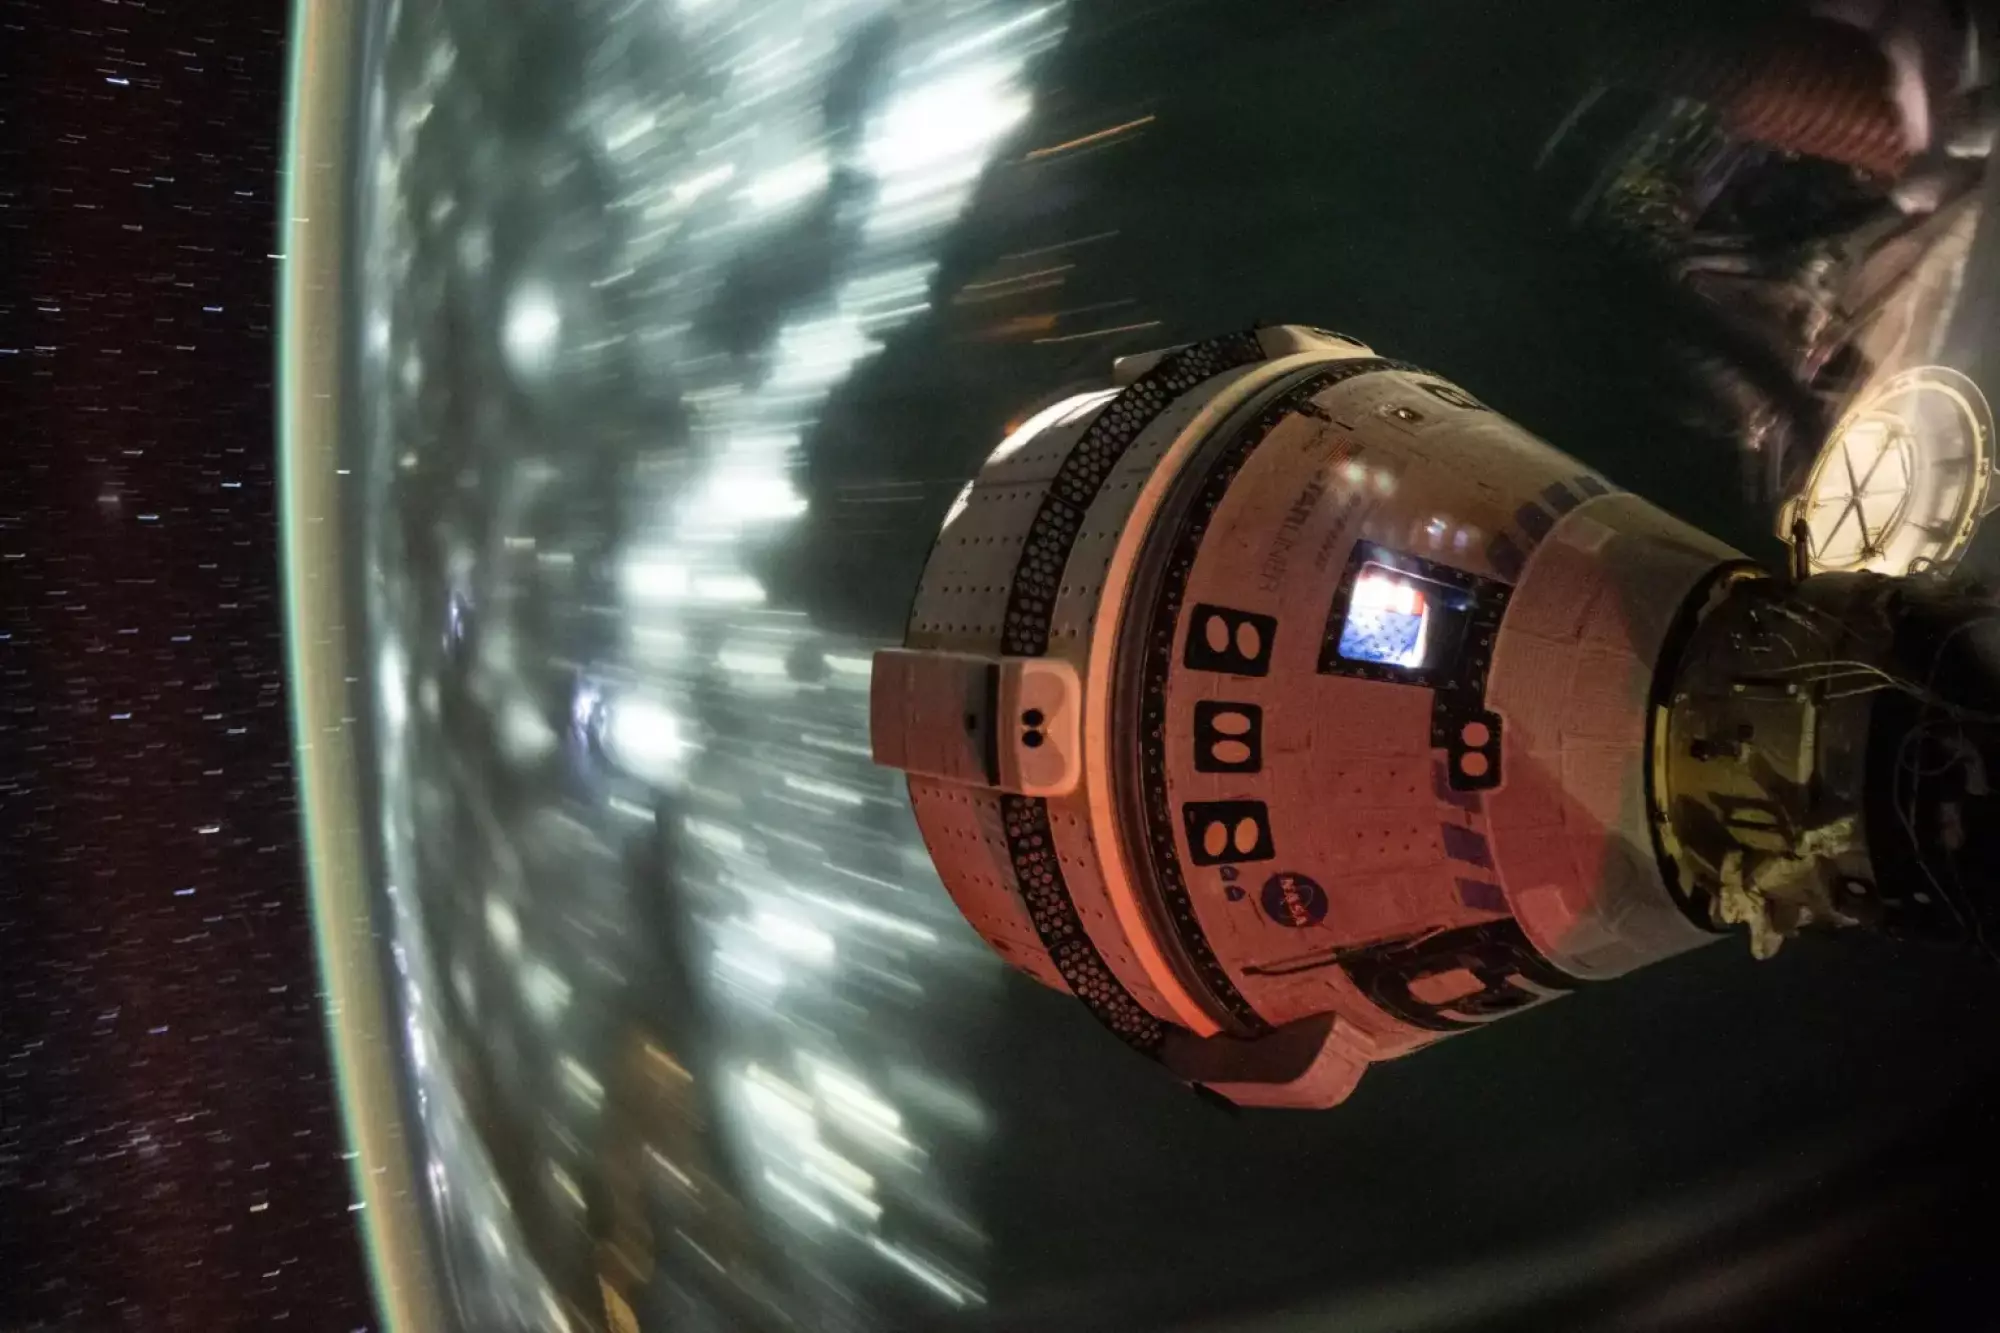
x=1401, y=620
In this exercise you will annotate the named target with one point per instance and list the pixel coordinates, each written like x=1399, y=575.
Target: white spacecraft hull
x=1292, y=708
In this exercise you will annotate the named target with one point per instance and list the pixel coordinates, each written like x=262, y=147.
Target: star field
x=170, y=1154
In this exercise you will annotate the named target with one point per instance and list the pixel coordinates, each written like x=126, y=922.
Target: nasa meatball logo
x=1294, y=900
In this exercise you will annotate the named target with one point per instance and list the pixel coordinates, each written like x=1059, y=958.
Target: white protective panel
x=962, y=832
x=1573, y=676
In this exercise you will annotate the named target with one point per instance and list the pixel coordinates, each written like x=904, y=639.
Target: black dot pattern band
x=1031, y=602
x=1160, y=636
x=1030, y=607
x=1037, y=869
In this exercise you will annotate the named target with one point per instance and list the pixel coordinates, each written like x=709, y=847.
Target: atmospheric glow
x=392, y=689
x=796, y=181
x=943, y=126
x=789, y=935
x=736, y=496
x=644, y=737
x=815, y=355
x=545, y=991
x=693, y=188
x=653, y=675
x=533, y=321
x=503, y=926
x=646, y=579
x=952, y=1291
x=799, y=1198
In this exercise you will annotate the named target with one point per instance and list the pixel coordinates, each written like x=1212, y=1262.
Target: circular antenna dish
x=1901, y=483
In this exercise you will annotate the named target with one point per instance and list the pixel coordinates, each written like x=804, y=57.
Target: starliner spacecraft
x=1293, y=710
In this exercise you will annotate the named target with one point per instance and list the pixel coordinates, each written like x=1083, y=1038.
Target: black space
x=170, y=1155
